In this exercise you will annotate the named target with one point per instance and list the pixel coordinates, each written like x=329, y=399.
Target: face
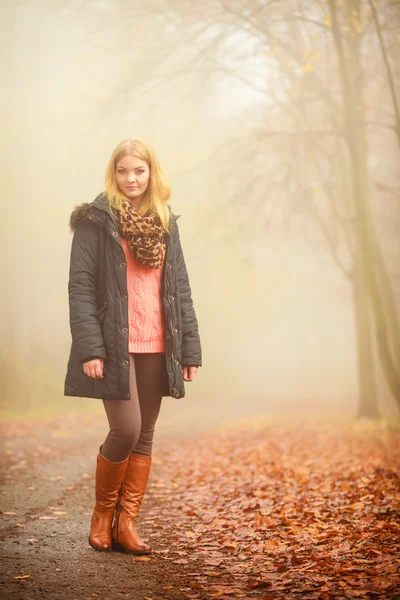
x=132, y=176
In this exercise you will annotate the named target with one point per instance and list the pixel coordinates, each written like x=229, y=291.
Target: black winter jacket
x=98, y=307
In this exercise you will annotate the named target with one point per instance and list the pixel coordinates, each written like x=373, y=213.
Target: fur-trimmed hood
x=81, y=211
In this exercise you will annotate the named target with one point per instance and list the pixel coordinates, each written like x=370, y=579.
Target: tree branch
x=389, y=73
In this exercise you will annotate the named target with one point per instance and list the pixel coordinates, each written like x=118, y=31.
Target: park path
x=254, y=510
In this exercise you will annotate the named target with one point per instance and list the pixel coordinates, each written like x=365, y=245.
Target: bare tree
x=325, y=119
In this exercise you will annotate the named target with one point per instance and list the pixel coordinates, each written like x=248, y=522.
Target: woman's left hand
x=189, y=373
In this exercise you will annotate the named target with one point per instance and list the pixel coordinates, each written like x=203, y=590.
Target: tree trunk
x=389, y=300
x=368, y=404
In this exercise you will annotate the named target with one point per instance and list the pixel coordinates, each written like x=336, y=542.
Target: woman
x=134, y=329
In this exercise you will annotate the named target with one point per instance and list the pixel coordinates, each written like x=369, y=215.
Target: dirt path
x=220, y=520
x=47, y=495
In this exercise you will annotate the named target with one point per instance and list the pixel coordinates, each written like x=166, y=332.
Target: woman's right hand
x=94, y=368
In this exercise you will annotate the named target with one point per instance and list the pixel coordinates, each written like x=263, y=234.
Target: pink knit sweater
x=145, y=310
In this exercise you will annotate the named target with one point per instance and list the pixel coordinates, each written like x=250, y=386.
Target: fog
x=245, y=105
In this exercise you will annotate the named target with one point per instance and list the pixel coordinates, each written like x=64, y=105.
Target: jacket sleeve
x=87, y=338
x=191, y=348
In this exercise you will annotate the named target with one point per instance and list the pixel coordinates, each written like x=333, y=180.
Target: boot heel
x=116, y=546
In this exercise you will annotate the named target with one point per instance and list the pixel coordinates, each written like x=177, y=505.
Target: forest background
x=278, y=124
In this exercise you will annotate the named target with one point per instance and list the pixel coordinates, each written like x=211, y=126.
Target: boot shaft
x=109, y=477
x=134, y=483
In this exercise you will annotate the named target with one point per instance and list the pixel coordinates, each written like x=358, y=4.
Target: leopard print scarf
x=144, y=235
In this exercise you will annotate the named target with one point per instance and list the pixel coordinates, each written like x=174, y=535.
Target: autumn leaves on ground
x=260, y=509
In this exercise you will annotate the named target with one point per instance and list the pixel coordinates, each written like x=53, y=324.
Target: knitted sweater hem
x=147, y=346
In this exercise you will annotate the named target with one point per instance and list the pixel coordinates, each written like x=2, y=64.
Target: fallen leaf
x=357, y=506
x=190, y=534
x=181, y=561
x=196, y=585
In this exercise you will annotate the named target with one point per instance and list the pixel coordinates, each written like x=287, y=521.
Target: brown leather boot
x=124, y=534
x=109, y=476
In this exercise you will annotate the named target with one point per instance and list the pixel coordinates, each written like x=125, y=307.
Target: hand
x=94, y=368
x=189, y=373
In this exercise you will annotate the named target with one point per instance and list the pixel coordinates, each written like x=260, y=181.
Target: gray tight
x=132, y=422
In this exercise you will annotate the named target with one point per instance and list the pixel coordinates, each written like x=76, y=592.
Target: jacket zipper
x=171, y=330
x=118, y=242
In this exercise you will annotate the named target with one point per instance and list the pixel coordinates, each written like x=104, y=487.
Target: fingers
x=99, y=369
x=94, y=368
x=189, y=373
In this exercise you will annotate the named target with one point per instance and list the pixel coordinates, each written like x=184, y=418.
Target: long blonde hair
x=158, y=191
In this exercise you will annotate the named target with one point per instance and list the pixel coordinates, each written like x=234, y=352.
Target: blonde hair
x=158, y=191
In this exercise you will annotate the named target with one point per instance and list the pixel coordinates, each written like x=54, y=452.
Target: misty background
x=277, y=124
